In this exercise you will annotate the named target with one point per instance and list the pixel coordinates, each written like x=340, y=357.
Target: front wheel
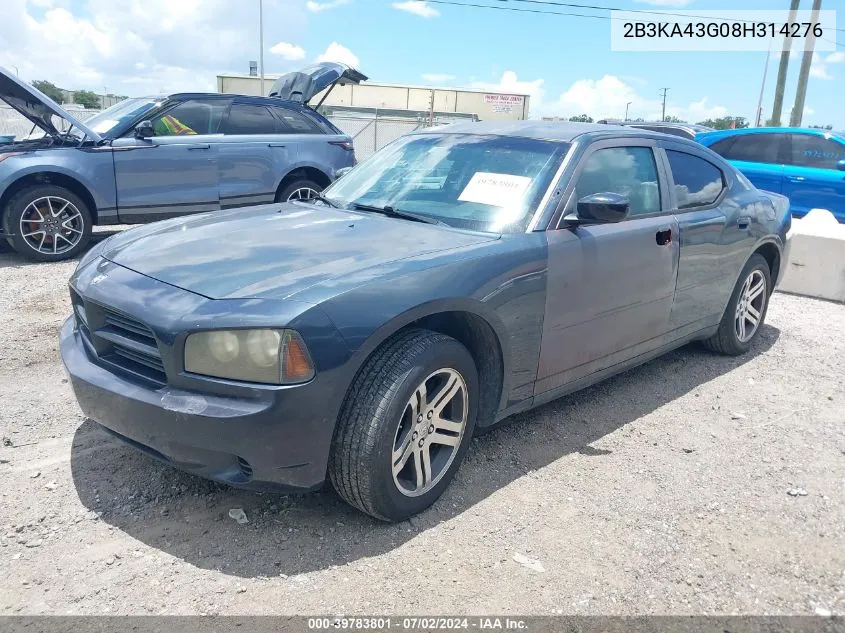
x=47, y=223
x=746, y=310
x=298, y=190
x=405, y=425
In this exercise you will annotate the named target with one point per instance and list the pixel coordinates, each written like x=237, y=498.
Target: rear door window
x=758, y=148
x=698, y=183
x=250, y=119
x=628, y=171
x=815, y=151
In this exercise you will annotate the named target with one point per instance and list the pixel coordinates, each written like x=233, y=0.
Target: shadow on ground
x=187, y=517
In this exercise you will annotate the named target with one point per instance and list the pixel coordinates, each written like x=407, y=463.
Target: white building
x=398, y=99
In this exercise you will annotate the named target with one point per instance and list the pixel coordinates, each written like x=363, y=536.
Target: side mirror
x=601, y=208
x=340, y=173
x=840, y=165
x=144, y=130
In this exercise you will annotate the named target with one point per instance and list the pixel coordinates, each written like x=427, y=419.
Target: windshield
x=485, y=183
x=119, y=114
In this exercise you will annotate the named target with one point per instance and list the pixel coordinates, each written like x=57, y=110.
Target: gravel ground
x=693, y=484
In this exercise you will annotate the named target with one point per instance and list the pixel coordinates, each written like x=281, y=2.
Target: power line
x=574, y=15
x=647, y=11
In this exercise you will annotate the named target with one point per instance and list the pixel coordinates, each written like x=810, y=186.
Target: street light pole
x=261, y=43
x=626, y=109
x=665, y=90
x=17, y=74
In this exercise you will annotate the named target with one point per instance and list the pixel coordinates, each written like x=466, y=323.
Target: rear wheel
x=746, y=310
x=47, y=223
x=405, y=426
x=299, y=190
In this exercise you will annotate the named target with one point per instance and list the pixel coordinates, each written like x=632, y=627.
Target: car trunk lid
x=302, y=85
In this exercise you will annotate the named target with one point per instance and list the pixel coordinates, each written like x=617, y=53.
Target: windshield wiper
x=393, y=212
x=316, y=195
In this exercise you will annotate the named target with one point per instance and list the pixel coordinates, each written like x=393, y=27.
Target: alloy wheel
x=750, y=305
x=303, y=193
x=430, y=432
x=51, y=225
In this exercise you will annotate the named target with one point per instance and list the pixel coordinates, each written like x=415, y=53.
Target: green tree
x=87, y=99
x=822, y=127
x=581, y=118
x=50, y=89
x=725, y=122
x=674, y=119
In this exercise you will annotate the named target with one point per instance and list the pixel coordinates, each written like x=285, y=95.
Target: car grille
x=118, y=340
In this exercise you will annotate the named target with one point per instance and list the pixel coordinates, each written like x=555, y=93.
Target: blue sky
x=565, y=63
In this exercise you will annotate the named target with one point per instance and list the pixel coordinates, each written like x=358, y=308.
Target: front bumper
x=251, y=443
x=785, y=255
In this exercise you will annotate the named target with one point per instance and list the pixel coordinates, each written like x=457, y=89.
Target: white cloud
x=808, y=111
x=288, y=51
x=666, y=3
x=138, y=46
x=835, y=58
x=608, y=96
x=417, y=7
x=338, y=53
x=436, y=78
x=818, y=67
x=316, y=7
x=509, y=83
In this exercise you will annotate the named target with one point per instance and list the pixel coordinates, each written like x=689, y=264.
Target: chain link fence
x=18, y=126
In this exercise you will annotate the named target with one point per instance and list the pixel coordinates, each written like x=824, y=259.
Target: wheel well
x=304, y=173
x=480, y=339
x=50, y=178
x=771, y=254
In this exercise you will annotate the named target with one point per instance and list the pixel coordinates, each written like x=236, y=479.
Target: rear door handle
x=664, y=237
x=193, y=147
x=743, y=222
x=795, y=178
x=276, y=145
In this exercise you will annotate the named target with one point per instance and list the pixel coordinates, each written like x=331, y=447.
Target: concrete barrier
x=815, y=257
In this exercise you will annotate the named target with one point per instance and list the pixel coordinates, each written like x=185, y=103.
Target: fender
x=430, y=308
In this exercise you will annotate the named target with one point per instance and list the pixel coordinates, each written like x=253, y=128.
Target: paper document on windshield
x=498, y=190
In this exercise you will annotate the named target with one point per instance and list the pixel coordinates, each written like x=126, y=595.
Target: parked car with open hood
x=458, y=276
x=152, y=158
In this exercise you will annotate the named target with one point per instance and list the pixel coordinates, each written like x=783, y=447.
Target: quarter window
x=191, y=117
x=628, y=171
x=250, y=119
x=815, y=151
x=698, y=182
x=295, y=123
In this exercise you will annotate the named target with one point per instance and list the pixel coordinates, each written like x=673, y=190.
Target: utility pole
x=261, y=43
x=626, y=109
x=804, y=73
x=665, y=90
x=758, y=122
x=777, y=107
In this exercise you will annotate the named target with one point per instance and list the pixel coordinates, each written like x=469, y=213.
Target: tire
x=727, y=339
x=287, y=191
x=377, y=423
x=73, y=225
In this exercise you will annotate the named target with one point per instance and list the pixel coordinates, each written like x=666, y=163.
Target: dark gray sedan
x=460, y=275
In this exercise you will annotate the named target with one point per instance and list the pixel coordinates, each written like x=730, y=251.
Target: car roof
x=719, y=134
x=184, y=96
x=556, y=131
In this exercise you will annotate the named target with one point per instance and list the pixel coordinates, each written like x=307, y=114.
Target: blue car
x=805, y=165
x=152, y=158
x=460, y=275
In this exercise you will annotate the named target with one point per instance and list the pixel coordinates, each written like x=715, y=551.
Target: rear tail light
x=347, y=145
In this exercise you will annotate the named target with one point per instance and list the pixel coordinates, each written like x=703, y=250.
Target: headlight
x=276, y=357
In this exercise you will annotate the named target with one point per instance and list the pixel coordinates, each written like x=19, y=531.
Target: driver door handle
x=664, y=237
x=195, y=147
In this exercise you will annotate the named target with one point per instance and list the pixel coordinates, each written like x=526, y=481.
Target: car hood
x=36, y=106
x=274, y=251
x=302, y=85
